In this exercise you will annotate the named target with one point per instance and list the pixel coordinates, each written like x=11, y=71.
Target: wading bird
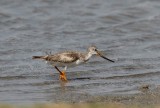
x=70, y=58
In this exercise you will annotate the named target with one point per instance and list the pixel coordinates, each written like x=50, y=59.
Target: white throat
x=88, y=56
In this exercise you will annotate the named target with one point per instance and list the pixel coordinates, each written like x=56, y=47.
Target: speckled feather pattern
x=70, y=58
x=65, y=57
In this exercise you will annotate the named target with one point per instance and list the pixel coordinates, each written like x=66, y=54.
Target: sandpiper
x=70, y=58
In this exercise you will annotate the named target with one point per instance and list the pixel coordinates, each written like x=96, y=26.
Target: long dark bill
x=101, y=55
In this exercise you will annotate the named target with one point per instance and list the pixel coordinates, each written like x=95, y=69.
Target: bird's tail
x=38, y=57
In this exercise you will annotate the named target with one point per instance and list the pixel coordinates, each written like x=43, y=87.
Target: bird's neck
x=88, y=56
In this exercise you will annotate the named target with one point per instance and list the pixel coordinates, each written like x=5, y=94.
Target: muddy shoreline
x=147, y=96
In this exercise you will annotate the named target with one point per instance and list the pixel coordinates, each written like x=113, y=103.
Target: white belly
x=59, y=64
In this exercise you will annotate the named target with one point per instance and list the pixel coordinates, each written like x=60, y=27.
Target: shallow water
x=125, y=30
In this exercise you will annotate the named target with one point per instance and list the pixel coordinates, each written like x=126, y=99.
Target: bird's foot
x=62, y=76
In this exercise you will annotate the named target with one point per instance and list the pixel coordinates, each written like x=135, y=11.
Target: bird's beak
x=101, y=55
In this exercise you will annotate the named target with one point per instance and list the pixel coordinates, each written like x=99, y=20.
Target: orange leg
x=62, y=75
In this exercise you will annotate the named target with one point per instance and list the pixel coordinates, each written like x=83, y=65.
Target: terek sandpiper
x=70, y=58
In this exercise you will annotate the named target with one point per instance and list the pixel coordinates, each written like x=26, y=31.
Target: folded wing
x=65, y=57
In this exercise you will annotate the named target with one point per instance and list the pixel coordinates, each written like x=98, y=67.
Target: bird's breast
x=79, y=62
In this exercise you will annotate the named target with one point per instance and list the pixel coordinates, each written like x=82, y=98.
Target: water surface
x=125, y=30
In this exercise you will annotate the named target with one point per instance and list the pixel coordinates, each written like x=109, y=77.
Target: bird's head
x=94, y=51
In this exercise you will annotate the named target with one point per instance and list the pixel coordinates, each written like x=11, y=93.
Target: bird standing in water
x=70, y=58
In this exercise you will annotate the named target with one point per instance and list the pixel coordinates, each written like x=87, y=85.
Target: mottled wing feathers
x=65, y=57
